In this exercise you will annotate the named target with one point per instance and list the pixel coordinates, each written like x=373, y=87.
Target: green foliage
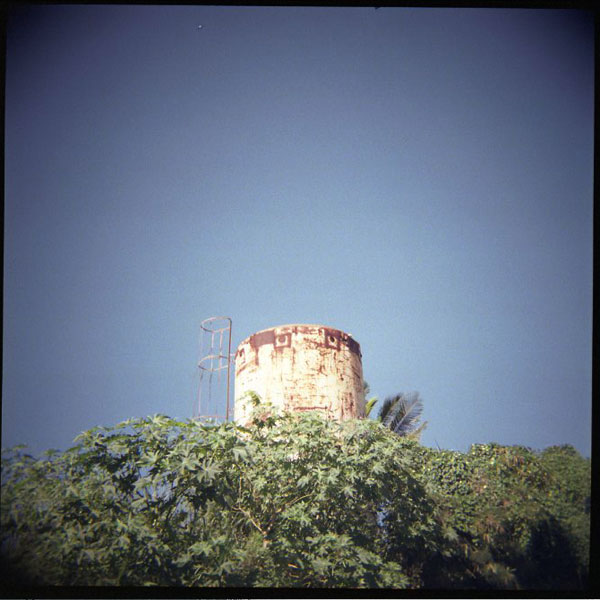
x=519, y=517
x=292, y=500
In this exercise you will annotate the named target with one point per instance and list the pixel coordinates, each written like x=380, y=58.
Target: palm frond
x=416, y=434
x=387, y=405
x=402, y=413
x=369, y=406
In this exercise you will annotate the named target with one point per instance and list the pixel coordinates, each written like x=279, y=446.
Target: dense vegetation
x=293, y=500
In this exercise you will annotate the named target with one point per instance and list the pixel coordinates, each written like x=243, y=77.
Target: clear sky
x=419, y=178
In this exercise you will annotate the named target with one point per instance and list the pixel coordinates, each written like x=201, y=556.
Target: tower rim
x=320, y=325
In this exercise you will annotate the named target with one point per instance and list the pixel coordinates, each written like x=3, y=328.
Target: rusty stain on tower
x=300, y=368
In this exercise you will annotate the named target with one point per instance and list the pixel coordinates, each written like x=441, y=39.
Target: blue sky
x=420, y=178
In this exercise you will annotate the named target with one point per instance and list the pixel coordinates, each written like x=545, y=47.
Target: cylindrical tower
x=299, y=368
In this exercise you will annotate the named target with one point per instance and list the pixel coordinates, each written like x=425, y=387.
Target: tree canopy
x=293, y=500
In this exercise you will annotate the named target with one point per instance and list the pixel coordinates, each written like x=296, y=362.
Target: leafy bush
x=292, y=500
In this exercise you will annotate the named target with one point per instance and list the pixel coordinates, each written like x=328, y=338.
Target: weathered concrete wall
x=301, y=367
